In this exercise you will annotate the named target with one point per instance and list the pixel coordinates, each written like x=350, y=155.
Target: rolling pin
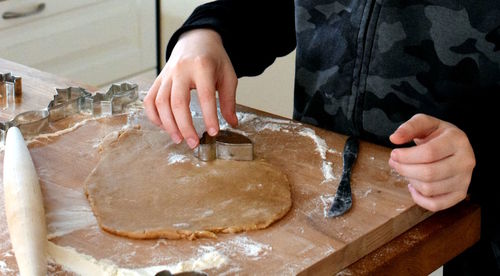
x=24, y=206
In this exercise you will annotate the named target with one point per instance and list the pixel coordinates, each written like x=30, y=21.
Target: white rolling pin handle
x=24, y=206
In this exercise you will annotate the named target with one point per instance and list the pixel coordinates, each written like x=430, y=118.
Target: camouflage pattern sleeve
x=364, y=67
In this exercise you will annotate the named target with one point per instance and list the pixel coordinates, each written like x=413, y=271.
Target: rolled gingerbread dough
x=144, y=186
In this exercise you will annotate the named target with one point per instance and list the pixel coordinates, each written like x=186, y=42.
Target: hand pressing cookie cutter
x=73, y=100
x=227, y=145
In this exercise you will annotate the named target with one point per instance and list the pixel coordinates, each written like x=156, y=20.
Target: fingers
x=430, y=189
x=199, y=61
x=418, y=126
x=149, y=103
x=436, y=171
x=436, y=203
x=439, y=168
x=205, y=86
x=162, y=104
x=227, y=96
x=431, y=151
x=180, y=98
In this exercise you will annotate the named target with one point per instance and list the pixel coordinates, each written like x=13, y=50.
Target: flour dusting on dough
x=177, y=158
x=283, y=125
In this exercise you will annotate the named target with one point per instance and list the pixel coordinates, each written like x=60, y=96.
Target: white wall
x=272, y=91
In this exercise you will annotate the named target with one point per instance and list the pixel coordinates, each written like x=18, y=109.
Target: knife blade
x=342, y=201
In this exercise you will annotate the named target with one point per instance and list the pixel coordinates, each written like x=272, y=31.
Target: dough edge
x=111, y=141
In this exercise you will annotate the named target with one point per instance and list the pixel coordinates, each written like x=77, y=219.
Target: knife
x=342, y=201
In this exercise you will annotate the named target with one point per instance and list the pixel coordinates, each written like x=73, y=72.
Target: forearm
x=254, y=33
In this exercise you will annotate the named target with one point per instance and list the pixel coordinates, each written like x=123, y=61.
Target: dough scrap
x=145, y=186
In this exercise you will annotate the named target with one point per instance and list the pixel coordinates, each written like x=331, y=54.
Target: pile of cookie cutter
x=69, y=101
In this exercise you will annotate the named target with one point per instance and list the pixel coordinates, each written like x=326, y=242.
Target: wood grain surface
x=303, y=242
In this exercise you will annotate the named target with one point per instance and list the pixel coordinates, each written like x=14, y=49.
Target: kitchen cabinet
x=91, y=41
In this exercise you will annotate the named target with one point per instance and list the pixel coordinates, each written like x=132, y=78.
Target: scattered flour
x=327, y=201
x=160, y=242
x=249, y=247
x=84, y=264
x=327, y=170
x=283, y=125
x=68, y=213
x=401, y=208
x=176, y=158
x=321, y=148
x=4, y=269
x=263, y=123
x=240, y=245
x=345, y=272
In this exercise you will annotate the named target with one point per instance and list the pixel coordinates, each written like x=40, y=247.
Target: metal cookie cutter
x=116, y=98
x=67, y=102
x=226, y=145
x=15, y=86
x=70, y=101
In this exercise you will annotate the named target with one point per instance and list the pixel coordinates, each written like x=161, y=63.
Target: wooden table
x=417, y=250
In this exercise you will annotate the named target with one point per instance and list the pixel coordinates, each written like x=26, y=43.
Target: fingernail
x=410, y=187
x=191, y=142
x=212, y=131
x=391, y=162
x=176, y=138
x=393, y=154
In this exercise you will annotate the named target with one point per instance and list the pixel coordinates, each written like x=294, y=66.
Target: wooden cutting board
x=303, y=242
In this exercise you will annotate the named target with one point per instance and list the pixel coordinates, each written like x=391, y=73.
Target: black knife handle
x=342, y=201
x=349, y=156
x=351, y=149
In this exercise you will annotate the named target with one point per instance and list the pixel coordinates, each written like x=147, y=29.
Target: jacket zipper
x=360, y=93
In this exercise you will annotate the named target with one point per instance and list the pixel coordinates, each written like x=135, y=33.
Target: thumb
x=227, y=96
x=418, y=126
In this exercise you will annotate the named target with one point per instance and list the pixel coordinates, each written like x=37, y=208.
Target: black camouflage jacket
x=365, y=66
